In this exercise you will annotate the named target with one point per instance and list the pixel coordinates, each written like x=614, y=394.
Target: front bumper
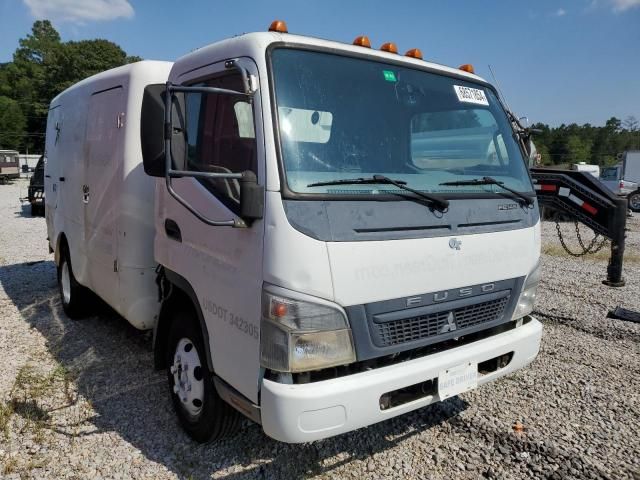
x=302, y=413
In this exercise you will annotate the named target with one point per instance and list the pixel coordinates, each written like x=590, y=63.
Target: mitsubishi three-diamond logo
x=450, y=326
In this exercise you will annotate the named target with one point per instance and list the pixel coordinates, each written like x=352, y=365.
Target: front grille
x=396, y=332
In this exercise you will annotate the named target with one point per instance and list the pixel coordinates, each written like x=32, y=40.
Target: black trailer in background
x=587, y=200
x=35, y=193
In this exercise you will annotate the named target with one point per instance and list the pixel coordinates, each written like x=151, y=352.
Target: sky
x=573, y=61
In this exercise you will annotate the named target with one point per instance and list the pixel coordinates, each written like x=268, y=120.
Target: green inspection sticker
x=389, y=76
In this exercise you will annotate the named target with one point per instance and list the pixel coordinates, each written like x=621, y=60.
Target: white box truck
x=321, y=235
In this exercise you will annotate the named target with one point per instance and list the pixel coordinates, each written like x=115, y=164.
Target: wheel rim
x=634, y=201
x=65, y=281
x=188, y=381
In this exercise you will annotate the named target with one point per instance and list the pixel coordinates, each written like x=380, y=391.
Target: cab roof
x=255, y=45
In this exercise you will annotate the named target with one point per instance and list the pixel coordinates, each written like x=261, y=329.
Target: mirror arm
x=224, y=91
x=243, y=73
x=195, y=174
x=170, y=173
x=236, y=222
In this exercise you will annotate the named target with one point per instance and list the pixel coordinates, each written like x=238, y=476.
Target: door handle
x=61, y=179
x=172, y=230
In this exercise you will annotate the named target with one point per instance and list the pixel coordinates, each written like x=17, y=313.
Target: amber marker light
x=279, y=309
x=467, y=67
x=389, y=47
x=414, y=53
x=278, y=26
x=362, y=41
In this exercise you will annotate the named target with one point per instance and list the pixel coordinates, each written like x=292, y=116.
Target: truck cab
x=352, y=234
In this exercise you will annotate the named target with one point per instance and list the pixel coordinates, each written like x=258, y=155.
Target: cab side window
x=220, y=136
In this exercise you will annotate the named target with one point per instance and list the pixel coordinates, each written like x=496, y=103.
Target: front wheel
x=634, y=201
x=201, y=411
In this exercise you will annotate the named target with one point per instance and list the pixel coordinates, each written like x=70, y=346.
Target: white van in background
x=326, y=235
x=99, y=202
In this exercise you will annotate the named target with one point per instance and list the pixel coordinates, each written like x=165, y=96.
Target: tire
x=37, y=210
x=202, y=413
x=72, y=295
x=634, y=201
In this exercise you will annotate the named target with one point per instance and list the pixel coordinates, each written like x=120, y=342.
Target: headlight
x=528, y=295
x=297, y=336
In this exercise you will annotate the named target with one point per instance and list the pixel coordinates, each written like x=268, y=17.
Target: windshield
x=343, y=117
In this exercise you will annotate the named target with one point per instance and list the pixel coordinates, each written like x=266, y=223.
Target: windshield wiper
x=356, y=181
x=491, y=181
x=438, y=203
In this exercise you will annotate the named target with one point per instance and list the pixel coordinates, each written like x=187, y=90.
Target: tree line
x=42, y=67
x=573, y=143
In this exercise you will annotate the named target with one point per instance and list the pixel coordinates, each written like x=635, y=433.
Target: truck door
x=100, y=190
x=223, y=265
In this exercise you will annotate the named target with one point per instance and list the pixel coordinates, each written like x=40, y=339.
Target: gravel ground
x=81, y=399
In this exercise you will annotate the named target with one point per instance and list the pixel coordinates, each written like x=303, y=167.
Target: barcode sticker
x=471, y=95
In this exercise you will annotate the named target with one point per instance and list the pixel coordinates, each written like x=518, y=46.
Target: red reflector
x=589, y=208
x=548, y=188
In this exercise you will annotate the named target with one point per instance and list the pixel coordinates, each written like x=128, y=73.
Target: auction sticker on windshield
x=458, y=379
x=471, y=95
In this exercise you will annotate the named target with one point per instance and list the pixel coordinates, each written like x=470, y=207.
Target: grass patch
x=604, y=254
x=27, y=412
x=6, y=410
x=31, y=384
x=10, y=466
x=30, y=393
x=29, y=389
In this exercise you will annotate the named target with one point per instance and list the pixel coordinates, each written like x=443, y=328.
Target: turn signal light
x=389, y=47
x=278, y=26
x=362, y=41
x=467, y=67
x=279, y=310
x=414, y=53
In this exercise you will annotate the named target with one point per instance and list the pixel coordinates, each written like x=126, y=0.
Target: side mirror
x=152, y=130
x=251, y=197
x=152, y=134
